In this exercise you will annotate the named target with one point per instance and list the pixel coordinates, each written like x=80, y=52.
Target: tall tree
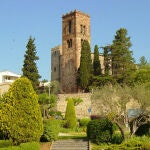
x=29, y=67
x=85, y=69
x=96, y=62
x=122, y=61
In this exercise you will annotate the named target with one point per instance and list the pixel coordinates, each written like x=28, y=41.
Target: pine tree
x=96, y=62
x=122, y=61
x=21, y=117
x=85, y=69
x=29, y=67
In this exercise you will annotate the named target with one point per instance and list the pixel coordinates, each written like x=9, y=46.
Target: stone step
x=70, y=144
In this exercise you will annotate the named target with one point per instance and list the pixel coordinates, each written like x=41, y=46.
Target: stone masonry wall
x=82, y=110
x=91, y=106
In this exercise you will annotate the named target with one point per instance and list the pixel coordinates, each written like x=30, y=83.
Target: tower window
x=54, y=69
x=69, y=43
x=69, y=26
x=82, y=29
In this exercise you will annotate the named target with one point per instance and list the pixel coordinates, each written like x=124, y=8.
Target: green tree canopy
x=122, y=60
x=96, y=62
x=21, y=117
x=29, y=67
x=85, y=69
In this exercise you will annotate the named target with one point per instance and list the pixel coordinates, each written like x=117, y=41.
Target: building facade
x=6, y=79
x=65, y=59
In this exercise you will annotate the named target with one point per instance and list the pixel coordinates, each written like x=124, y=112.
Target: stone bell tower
x=75, y=29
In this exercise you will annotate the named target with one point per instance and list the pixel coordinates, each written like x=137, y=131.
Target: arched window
x=69, y=26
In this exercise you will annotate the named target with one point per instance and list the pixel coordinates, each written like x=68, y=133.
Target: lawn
x=7, y=145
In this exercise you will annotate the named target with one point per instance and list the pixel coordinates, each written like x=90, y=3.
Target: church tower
x=75, y=29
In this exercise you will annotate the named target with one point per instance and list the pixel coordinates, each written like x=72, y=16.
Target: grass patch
x=7, y=145
x=134, y=143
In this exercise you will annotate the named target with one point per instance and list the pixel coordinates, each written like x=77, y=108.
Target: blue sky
x=41, y=19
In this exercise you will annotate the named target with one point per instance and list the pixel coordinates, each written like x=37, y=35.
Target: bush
x=21, y=118
x=84, y=122
x=70, y=116
x=117, y=138
x=100, y=130
x=51, y=130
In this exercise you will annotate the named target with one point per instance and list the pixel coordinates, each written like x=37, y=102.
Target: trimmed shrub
x=70, y=116
x=21, y=118
x=84, y=122
x=100, y=131
x=51, y=130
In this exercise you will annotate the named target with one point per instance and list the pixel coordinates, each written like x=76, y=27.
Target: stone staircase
x=71, y=144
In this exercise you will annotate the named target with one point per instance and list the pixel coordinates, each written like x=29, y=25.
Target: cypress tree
x=96, y=62
x=122, y=61
x=85, y=69
x=70, y=115
x=29, y=67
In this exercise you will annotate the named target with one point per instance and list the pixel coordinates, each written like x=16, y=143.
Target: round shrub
x=51, y=130
x=21, y=118
x=70, y=116
x=100, y=131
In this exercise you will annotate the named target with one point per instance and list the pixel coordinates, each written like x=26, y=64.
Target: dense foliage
x=29, y=67
x=99, y=81
x=133, y=143
x=70, y=115
x=100, y=130
x=84, y=122
x=85, y=69
x=21, y=117
x=96, y=62
x=122, y=61
x=51, y=130
x=47, y=103
x=117, y=100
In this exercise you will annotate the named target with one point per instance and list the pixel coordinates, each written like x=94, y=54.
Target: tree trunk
x=121, y=130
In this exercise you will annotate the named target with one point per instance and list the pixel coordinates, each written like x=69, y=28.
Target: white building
x=6, y=79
